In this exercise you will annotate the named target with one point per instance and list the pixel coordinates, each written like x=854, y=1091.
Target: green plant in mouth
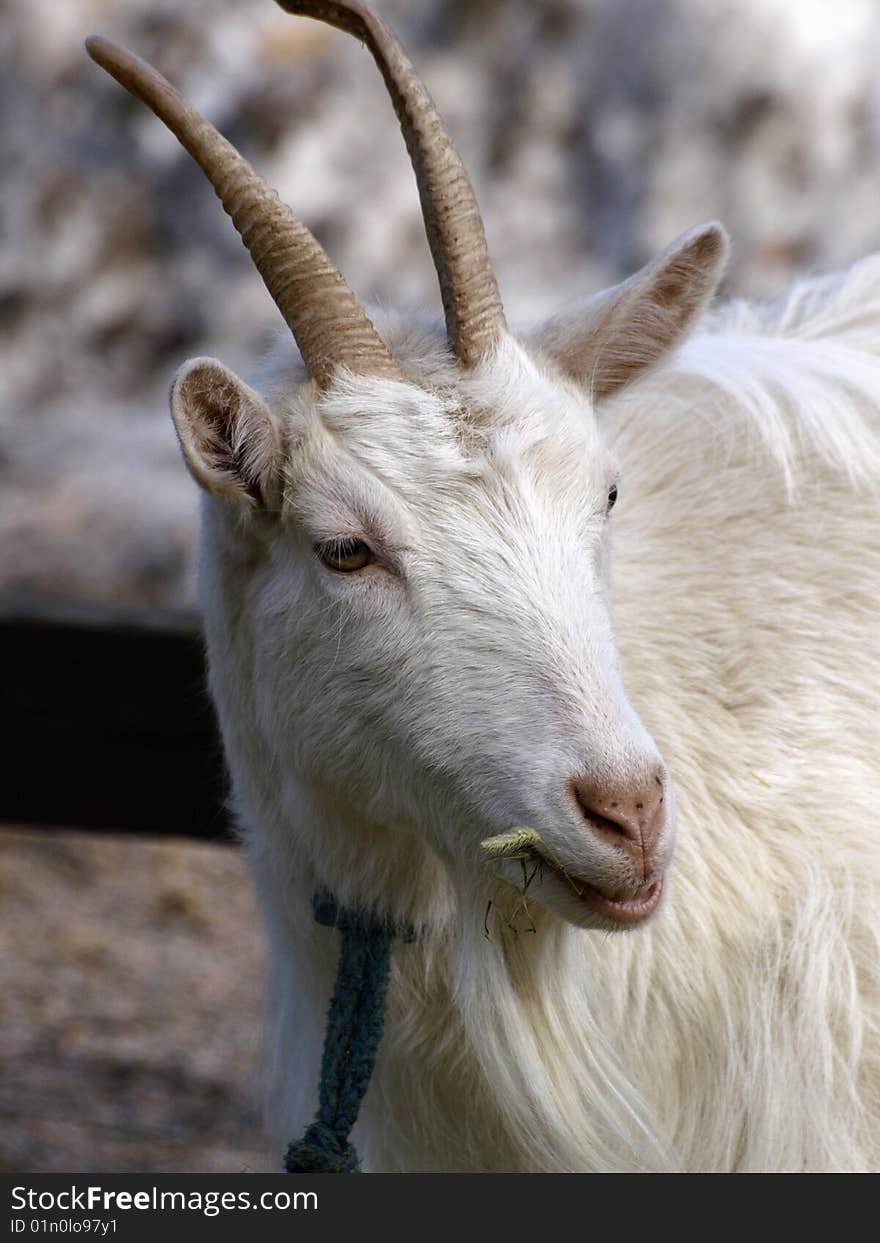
x=521, y=844
x=516, y=843
x=525, y=845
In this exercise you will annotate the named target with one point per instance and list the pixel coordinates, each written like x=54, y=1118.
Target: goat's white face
x=429, y=605
x=465, y=678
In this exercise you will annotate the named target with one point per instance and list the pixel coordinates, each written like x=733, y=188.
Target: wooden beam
x=106, y=722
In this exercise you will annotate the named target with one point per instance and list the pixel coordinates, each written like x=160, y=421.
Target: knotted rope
x=354, y=1028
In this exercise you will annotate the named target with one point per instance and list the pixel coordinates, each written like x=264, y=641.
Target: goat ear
x=606, y=341
x=230, y=439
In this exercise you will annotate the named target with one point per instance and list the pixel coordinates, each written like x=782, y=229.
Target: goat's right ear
x=230, y=439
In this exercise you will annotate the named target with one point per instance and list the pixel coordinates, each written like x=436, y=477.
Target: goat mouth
x=624, y=907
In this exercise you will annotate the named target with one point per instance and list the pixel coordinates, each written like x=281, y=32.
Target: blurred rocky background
x=594, y=130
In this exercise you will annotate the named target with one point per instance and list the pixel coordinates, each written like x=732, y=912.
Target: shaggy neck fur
x=739, y=1029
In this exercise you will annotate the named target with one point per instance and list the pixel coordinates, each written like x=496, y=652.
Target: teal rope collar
x=354, y=1028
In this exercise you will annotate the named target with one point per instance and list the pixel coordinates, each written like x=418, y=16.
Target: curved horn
x=318, y=307
x=471, y=301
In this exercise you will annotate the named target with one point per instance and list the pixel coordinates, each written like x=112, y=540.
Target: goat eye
x=345, y=555
x=612, y=498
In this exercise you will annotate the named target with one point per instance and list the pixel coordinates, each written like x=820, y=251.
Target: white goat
x=405, y=570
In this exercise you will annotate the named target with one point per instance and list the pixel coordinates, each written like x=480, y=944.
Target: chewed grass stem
x=524, y=845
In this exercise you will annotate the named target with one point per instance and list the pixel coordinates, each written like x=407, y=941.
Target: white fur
x=379, y=725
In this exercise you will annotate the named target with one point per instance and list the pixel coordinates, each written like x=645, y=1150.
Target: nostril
x=598, y=821
x=634, y=815
x=595, y=812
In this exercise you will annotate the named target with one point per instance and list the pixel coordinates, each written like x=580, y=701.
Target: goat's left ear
x=607, y=340
x=230, y=439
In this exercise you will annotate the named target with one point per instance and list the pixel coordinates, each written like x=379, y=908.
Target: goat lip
x=622, y=908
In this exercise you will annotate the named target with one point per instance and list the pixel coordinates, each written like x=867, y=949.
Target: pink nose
x=630, y=815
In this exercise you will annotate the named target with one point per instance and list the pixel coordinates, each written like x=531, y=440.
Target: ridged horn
x=320, y=310
x=471, y=301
